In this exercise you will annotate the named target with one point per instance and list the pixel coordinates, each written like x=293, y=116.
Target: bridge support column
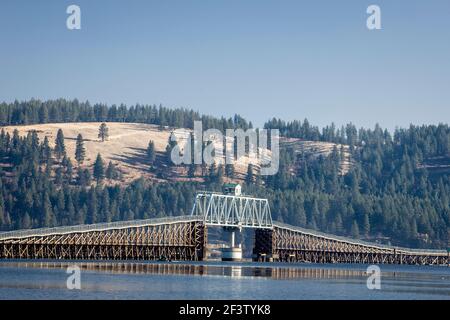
x=263, y=247
x=233, y=253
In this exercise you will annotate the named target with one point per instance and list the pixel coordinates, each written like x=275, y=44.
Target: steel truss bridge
x=184, y=238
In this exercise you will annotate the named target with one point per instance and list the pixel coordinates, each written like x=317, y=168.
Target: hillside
x=127, y=144
x=396, y=191
x=315, y=149
x=125, y=147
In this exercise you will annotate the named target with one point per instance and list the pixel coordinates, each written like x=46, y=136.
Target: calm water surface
x=218, y=280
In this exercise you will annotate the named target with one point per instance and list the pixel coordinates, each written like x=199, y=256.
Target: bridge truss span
x=181, y=238
x=294, y=244
x=232, y=211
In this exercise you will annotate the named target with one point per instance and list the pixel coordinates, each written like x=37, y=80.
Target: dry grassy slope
x=125, y=147
x=318, y=148
x=128, y=142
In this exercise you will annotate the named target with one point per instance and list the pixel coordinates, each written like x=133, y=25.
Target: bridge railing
x=20, y=234
x=356, y=241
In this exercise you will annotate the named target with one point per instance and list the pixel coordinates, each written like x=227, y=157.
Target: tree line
x=63, y=111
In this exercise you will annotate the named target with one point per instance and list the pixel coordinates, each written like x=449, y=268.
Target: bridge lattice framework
x=185, y=238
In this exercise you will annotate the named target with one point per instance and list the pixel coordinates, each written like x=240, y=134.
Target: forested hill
x=396, y=190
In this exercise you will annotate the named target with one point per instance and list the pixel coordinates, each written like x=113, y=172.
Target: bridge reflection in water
x=184, y=238
x=234, y=271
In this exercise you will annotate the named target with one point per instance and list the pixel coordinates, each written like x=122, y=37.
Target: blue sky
x=259, y=58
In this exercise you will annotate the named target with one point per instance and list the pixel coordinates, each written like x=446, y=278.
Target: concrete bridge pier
x=234, y=252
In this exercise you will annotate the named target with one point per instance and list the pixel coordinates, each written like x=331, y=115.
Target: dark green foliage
x=112, y=172
x=60, y=148
x=151, y=153
x=61, y=110
x=103, y=132
x=249, y=178
x=46, y=151
x=229, y=170
x=80, y=151
x=99, y=168
x=83, y=177
x=220, y=174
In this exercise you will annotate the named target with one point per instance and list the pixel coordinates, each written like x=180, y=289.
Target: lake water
x=218, y=280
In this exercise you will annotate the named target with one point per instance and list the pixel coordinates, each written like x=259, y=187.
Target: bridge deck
x=42, y=232
x=22, y=234
x=359, y=242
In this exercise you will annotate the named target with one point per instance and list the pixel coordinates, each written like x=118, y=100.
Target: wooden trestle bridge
x=184, y=238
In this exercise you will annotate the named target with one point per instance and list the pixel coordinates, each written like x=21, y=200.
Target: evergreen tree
x=47, y=212
x=83, y=177
x=151, y=154
x=43, y=114
x=111, y=171
x=46, y=151
x=229, y=170
x=192, y=169
x=212, y=178
x=59, y=178
x=220, y=174
x=366, y=225
x=69, y=171
x=92, y=206
x=249, y=178
x=103, y=132
x=26, y=221
x=60, y=148
x=355, y=230
x=80, y=151
x=99, y=168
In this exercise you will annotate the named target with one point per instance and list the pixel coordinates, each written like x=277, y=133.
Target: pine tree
x=105, y=212
x=46, y=151
x=83, y=177
x=249, y=176
x=80, y=151
x=151, y=155
x=60, y=148
x=69, y=171
x=355, y=230
x=229, y=170
x=111, y=171
x=99, y=168
x=47, y=212
x=366, y=225
x=59, y=175
x=338, y=223
x=26, y=221
x=220, y=174
x=92, y=209
x=43, y=114
x=3, y=219
x=212, y=178
x=103, y=132
x=192, y=169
